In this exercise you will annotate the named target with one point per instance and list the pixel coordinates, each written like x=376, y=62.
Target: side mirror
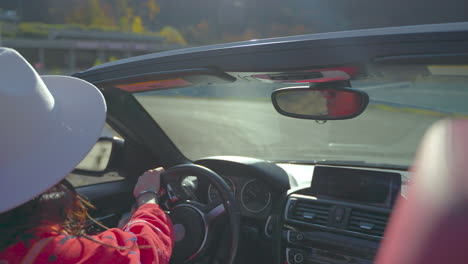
x=101, y=157
x=319, y=103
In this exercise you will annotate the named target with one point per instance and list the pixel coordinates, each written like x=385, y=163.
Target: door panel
x=111, y=199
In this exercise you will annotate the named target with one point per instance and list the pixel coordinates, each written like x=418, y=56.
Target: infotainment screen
x=377, y=188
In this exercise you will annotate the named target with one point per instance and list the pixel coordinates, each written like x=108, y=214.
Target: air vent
x=310, y=211
x=368, y=222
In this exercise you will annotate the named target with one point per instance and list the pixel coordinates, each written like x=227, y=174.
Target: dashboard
x=296, y=214
x=339, y=217
x=254, y=195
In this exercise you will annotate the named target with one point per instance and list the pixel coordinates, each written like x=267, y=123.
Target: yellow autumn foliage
x=172, y=35
x=137, y=25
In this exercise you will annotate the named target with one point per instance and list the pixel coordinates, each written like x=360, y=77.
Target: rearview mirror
x=100, y=157
x=319, y=103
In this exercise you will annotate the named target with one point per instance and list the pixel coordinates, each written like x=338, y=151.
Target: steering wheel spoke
x=214, y=212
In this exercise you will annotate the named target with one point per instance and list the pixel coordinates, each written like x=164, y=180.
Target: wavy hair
x=60, y=205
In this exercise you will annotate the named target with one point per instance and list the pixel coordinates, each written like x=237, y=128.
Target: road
x=203, y=127
x=389, y=130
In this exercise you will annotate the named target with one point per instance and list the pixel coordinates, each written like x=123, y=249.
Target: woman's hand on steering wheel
x=149, y=182
x=147, y=188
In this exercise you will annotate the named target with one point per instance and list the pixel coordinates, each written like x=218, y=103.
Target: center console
x=340, y=218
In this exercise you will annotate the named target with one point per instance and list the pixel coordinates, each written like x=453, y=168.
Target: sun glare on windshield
x=239, y=118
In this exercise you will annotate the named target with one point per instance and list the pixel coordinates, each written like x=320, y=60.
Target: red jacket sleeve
x=147, y=238
x=153, y=228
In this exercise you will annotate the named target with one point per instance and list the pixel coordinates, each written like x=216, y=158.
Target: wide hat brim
x=80, y=114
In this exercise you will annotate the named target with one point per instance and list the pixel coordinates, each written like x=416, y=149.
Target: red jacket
x=147, y=238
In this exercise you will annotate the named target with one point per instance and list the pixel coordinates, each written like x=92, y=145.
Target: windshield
x=239, y=119
x=67, y=37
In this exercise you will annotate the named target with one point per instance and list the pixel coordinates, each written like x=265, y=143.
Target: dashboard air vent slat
x=368, y=222
x=311, y=212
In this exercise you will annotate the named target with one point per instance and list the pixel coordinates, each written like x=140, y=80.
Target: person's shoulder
x=13, y=253
x=29, y=248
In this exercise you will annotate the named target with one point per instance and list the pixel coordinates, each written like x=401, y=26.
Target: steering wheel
x=193, y=221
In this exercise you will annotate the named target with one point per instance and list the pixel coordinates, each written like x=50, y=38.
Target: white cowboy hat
x=47, y=126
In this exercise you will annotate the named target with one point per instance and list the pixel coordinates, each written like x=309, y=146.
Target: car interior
x=344, y=147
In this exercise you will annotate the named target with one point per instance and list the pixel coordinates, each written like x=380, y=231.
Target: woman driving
x=48, y=125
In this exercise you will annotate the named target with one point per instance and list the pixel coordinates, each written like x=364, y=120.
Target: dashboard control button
x=298, y=258
x=339, y=214
x=299, y=237
x=292, y=236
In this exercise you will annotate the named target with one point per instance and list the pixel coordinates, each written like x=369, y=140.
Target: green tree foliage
x=125, y=14
x=100, y=16
x=147, y=17
x=97, y=14
x=186, y=22
x=78, y=14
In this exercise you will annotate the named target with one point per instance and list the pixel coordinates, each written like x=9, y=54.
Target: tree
x=125, y=14
x=95, y=13
x=172, y=35
x=78, y=13
x=99, y=17
x=137, y=25
x=153, y=9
